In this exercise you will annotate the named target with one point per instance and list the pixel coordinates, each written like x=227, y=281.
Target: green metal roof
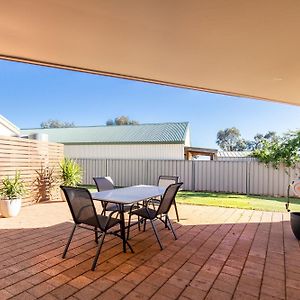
x=173, y=133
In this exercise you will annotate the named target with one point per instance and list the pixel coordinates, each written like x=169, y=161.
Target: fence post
x=248, y=178
x=106, y=167
x=193, y=177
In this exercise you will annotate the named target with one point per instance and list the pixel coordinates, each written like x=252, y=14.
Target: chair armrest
x=146, y=202
x=113, y=212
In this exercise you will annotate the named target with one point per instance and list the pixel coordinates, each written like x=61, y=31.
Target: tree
x=230, y=140
x=260, y=139
x=280, y=150
x=122, y=120
x=110, y=122
x=56, y=124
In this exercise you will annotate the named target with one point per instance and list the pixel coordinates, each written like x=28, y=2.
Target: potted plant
x=11, y=191
x=70, y=172
x=295, y=216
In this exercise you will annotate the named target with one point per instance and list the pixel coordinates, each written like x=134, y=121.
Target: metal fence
x=244, y=177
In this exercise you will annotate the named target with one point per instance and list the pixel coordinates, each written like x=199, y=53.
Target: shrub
x=285, y=151
x=44, y=183
x=70, y=172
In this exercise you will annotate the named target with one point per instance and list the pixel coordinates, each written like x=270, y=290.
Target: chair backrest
x=165, y=181
x=81, y=205
x=168, y=198
x=104, y=183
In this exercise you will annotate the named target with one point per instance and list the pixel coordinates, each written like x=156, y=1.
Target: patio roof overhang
x=189, y=152
x=241, y=48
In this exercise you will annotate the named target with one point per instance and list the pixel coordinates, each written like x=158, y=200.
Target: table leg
x=123, y=234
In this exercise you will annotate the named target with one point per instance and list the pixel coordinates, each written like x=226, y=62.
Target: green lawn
x=237, y=201
x=232, y=200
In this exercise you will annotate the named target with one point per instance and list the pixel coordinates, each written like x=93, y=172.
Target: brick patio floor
x=220, y=254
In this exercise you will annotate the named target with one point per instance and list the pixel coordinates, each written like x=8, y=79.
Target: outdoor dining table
x=128, y=195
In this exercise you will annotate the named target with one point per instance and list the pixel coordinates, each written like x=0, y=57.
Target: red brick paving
x=220, y=254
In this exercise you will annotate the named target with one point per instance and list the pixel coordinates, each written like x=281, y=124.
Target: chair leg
x=176, y=210
x=129, y=247
x=126, y=242
x=98, y=251
x=69, y=241
x=164, y=220
x=166, y=223
x=96, y=235
x=104, y=204
x=156, y=234
x=173, y=231
x=145, y=221
x=139, y=223
x=128, y=228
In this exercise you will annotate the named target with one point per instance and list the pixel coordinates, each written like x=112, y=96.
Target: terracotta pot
x=295, y=224
x=10, y=208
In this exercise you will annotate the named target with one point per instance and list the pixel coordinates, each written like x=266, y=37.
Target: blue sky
x=31, y=94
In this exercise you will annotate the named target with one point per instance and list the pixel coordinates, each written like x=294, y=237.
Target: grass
x=92, y=188
x=237, y=201
x=232, y=200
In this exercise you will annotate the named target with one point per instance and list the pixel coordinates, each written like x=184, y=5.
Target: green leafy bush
x=12, y=188
x=70, y=172
x=285, y=151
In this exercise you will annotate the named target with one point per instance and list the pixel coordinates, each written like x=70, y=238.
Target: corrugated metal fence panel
x=91, y=168
x=221, y=176
x=244, y=177
x=185, y=172
x=266, y=180
x=160, y=167
x=181, y=168
x=127, y=172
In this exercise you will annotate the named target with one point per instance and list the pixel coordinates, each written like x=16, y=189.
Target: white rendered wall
x=139, y=151
x=6, y=131
x=187, y=141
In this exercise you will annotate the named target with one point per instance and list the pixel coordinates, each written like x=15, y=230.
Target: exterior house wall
x=7, y=128
x=6, y=131
x=132, y=151
x=187, y=141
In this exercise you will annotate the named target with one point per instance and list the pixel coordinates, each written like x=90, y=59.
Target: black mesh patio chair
x=165, y=181
x=161, y=213
x=105, y=184
x=85, y=216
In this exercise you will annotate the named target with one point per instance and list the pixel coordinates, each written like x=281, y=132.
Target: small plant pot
x=10, y=208
x=295, y=224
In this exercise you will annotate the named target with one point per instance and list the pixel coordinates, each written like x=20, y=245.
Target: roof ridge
x=9, y=125
x=93, y=126
x=144, y=133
